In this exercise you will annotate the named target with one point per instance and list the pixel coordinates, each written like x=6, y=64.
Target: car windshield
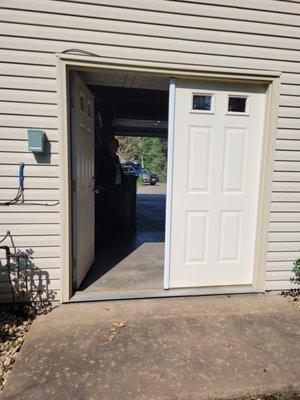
x=144, y=171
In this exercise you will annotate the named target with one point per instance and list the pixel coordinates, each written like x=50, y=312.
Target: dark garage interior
x=129, y=248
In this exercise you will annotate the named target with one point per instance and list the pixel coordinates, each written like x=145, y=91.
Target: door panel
x=216, y=172
x=82, y=117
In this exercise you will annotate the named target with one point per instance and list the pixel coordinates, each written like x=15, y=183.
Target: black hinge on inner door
x=74, y=186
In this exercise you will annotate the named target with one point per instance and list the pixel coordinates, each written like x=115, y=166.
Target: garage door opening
x=119, y=136
x=214, y=208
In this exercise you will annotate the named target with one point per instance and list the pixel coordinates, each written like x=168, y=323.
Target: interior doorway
x=125, y=248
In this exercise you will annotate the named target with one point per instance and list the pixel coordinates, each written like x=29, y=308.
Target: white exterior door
x=216, y=172
x=82, y=178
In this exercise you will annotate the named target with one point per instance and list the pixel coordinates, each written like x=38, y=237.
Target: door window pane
x=202, y=102
x=237, y=104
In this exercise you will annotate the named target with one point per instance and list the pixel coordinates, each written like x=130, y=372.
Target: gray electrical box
x=36, y=140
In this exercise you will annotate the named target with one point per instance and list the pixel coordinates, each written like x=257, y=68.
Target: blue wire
x=21, y=176
x=19, y=199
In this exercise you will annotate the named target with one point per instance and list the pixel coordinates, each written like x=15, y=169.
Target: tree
x=150, y=151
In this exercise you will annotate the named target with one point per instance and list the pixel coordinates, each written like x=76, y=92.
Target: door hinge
x=72, y=102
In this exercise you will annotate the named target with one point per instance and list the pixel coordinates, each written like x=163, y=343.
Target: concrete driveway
x=178, y=348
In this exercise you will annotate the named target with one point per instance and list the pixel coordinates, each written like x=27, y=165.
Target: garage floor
x=134, y=261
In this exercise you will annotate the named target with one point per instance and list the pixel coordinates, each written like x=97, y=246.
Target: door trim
x=66, y=62
x=171, y=122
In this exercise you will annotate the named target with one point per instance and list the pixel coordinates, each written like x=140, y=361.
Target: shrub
x=296, y=270
x=294, y=293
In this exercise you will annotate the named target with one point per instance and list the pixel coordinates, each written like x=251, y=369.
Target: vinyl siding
x=258, y=35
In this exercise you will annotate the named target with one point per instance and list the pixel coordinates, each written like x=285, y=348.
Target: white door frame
x=171, y=125
x=66, y=62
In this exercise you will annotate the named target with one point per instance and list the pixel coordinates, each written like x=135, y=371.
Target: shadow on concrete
x=138, y=262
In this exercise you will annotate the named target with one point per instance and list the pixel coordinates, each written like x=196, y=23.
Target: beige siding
x=260, y=35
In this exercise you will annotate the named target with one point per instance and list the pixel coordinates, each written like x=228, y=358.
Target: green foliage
x=294, y=293
x=296, y=270
x=150, y=151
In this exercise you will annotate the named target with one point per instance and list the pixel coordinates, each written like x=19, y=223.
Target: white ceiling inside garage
x=125, y=80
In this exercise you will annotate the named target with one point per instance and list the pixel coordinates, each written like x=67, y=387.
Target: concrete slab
x=184, y=348
x=138, y=268
x=134, y=261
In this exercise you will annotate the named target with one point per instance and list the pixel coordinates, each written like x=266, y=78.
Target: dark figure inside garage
x=109, y=177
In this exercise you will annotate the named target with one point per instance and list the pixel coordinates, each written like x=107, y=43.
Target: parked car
x=148, y=177
x=128, y=170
